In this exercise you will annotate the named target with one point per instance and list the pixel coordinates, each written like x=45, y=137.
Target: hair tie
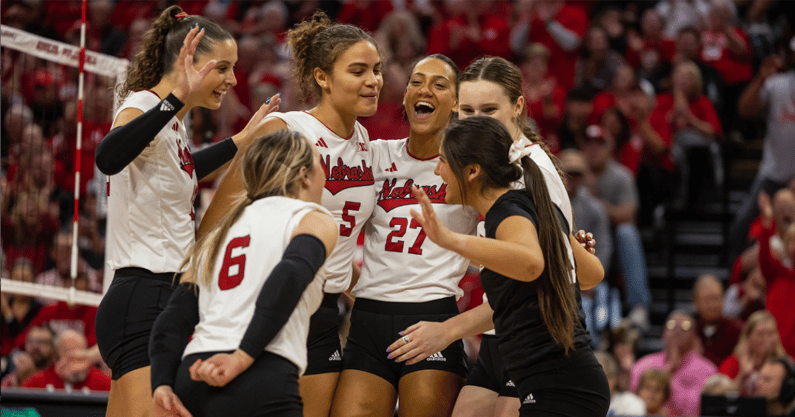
x=519, y=150
x=180, y=16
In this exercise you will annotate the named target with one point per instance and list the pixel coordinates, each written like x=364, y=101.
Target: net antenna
x=93, y=62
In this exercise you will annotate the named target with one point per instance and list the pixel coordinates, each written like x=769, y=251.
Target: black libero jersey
x=524, y=338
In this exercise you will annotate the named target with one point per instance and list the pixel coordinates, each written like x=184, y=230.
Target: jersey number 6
x=226, y=281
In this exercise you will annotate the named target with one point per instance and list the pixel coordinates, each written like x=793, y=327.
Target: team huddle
x=250, y=326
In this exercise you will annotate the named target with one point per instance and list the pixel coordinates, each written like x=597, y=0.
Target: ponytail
x=556, y=297
x=161, y=45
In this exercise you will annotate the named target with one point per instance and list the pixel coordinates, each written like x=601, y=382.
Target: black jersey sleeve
x=212, y=157
x=123, y=144
x=282, y=291
x=171, y=333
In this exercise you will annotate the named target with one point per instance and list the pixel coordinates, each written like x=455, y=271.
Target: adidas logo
x=393, y=168
x=510, y=383
x=166, y=106
x=529, y=399
x=321, y=143
x=336, y=356
x=437, y=357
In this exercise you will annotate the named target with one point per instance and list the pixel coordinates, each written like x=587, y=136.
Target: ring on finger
x=406, y=340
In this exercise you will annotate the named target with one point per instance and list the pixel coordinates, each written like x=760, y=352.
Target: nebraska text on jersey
x=392, y=196
x=342, y=176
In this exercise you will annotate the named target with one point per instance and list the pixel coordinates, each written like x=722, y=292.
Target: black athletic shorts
x=489, y=371
x=126, y=315
x=375, y=325
x=269, y=387
x=324, y=351
x=573, y=386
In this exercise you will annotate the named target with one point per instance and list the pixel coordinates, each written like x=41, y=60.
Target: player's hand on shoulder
x=167, y=404
x=221, y=368
x=586, y=240
x=259, y=125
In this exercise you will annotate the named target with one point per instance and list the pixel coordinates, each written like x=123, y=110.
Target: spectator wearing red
x=545, y=99
x=558, y=26
x=621, y=88
x=759, y=341
x=72, y=367
x=718, y=334
x=780, y=279
x=471, y=31
x=598, y=63
x=63, y=316
x=366, y=14
x=693, y=121
x=28, y=227
x=59, y=276
x=725, y=45
x=648, y=51
x=400, y=33
x=627, y=151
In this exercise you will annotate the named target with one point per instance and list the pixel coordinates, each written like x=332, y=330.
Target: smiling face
x=221, y=78
x=486, y=98
x=430, y=96
x=355, y=81
x=453, y=193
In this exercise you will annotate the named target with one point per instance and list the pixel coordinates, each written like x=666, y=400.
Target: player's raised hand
x=256, y=126
x=433, y=227
x=188, y=78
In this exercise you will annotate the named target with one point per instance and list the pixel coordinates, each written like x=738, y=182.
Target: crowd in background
x=637, y=99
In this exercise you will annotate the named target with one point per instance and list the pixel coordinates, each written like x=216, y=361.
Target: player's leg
x=317, y=393
x=361, y=393
x=475, y=401
x=429, y=393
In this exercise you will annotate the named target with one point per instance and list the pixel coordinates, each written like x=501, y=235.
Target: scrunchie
x=519, y=150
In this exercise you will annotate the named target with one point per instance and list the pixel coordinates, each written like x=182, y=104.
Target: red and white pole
x=78, y=151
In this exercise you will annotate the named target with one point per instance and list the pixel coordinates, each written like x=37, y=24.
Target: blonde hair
x=659, y=376
x=271, y=167
x=754, y=320
x=698, y=80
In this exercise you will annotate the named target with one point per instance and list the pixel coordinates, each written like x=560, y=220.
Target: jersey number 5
x=226, y=281
x=397, y=246
x=346, y=230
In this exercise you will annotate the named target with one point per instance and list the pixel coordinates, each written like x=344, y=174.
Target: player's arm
x=311, y=242
x=231, y=186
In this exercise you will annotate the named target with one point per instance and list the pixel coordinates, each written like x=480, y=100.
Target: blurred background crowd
x=664, y=114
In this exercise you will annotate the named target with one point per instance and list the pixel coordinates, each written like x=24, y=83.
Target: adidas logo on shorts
x=510, y=383
x=437, y=357
x=336, y=356
x=529, y=399
x=166, y=106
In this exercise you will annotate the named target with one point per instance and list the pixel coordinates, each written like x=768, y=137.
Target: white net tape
x=70, y=295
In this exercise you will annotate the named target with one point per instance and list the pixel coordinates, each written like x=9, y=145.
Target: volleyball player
x=527, y=272
x=492, y=86
x=238, y=346
x=340, y=66
x=406, y=278
x=184, y=62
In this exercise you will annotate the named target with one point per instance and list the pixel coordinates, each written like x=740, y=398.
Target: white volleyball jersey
x=349, y=194
x=150, y=202
x=253, y=246
x=400, y=264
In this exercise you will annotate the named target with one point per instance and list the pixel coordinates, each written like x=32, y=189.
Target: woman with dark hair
x=184, y=62
x=340, y=67
x=406, y=278
x=527, y=275
x=493, y=86
x=232, y=340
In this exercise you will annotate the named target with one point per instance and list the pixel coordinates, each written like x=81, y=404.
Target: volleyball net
x=52, y=193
